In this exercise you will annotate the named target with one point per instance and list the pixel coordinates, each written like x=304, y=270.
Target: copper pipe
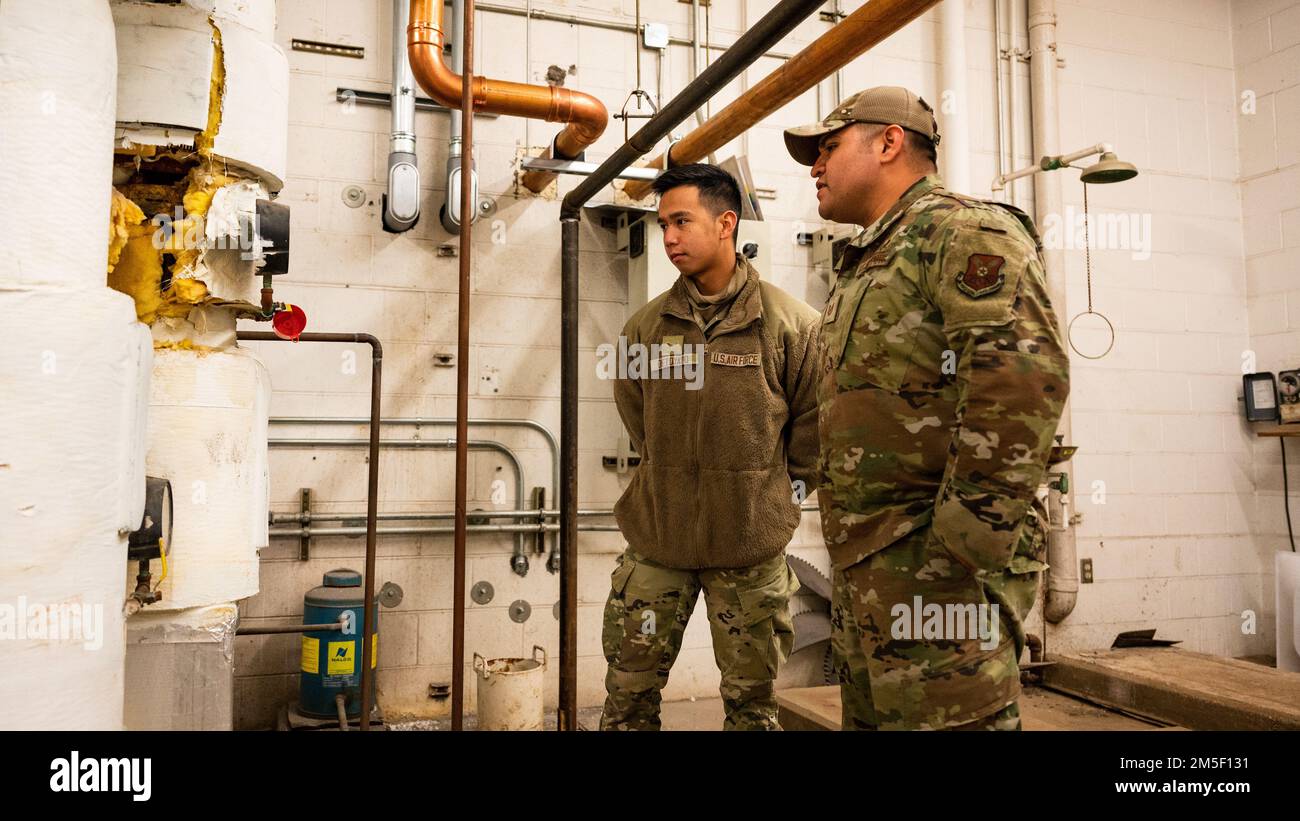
x=855, y=34
x=372, y=492
x=467, y=105
x=586, y=117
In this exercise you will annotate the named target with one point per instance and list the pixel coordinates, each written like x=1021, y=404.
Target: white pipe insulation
x=75, y=372
x=953, y=106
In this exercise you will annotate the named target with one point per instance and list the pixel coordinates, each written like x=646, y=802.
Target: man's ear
x=729, y=221
x=892, y=142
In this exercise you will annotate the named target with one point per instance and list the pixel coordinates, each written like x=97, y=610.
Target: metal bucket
x=510, y=692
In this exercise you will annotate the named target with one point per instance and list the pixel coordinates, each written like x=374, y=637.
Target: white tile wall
x=1181, y=538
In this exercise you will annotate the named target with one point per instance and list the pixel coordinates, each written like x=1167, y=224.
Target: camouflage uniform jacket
x=942, y=380
x=714, y=487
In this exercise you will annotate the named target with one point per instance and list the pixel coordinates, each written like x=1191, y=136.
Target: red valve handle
x=289, y=323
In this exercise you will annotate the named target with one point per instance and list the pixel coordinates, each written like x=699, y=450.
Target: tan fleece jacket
x=714, y=487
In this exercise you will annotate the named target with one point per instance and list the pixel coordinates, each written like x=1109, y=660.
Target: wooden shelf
x=1279, y=430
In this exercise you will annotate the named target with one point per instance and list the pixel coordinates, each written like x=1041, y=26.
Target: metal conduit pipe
x=402, y=200
x=1062, y=558
x=372, y=484
x=552, y=561
x=864, y=28
x=585, y=116
x=593, y=22
x=774, y=25
x=431, y=530
x=436, y=444
x=297, y=519
x=419, y=421
x=435, y=516
x=449, y=215
x=259, y=630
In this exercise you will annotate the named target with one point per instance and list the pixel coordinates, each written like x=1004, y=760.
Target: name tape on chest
x=735, y=360
x=673, y=360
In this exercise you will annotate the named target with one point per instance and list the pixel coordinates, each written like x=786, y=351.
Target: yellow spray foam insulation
x=203, y=184
x=136, y=150
x=136, y=269
x=182, y=345
x=203, y=142
x=122, y=214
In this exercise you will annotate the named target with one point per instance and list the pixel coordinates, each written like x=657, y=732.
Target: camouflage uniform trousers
x=645, y=619
x=893, y=678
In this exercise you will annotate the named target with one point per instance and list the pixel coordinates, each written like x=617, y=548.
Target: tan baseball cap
x=882, y=105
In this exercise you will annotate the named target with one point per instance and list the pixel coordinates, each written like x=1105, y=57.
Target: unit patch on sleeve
x=983, y=275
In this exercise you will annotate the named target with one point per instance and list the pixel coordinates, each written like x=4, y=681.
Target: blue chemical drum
x=331, y=659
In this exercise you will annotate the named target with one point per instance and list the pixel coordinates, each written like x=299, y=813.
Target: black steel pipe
x=372, y=489
x=749, y=47
x=567, y=711
x=774, y=25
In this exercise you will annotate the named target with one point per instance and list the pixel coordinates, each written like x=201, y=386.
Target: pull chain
x=1087, y=261
x=1087, y=244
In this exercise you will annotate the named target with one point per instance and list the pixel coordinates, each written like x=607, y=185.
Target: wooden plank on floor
x=1194, y=690
x=818, y=708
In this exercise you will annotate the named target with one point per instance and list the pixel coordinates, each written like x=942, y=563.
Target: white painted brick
x=1285, y=27
x=1245, y=12
x=1196, y=514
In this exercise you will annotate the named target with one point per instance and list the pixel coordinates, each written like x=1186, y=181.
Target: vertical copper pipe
x=372, y=492
x=467, y=209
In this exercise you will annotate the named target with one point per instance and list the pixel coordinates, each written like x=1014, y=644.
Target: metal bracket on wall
x=625, y=457
x=539, y=504
x=304, y=518
x=382, y=98
x=334, y=49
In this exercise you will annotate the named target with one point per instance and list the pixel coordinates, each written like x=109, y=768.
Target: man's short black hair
x=923, y=147
x=718, y=189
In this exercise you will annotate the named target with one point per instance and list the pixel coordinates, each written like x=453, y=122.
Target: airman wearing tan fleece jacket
x=726, y=460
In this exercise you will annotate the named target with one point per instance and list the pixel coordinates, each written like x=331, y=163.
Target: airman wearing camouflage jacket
x=942, y=381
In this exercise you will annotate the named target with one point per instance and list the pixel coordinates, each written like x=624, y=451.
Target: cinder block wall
x=1173, y=543
x=1266, y=43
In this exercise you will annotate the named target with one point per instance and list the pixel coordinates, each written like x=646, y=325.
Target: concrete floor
x=1041, y=710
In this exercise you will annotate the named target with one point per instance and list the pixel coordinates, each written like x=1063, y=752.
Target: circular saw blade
x=810, y=576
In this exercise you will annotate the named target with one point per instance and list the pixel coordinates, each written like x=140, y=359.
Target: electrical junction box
x=655, y=34
x=828, y=246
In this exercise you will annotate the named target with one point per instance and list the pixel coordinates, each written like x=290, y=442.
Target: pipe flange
x=520, y=610
x=482, y=593
x=390, y=595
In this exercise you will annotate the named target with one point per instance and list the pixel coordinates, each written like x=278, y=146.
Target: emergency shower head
x=1109, y=169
